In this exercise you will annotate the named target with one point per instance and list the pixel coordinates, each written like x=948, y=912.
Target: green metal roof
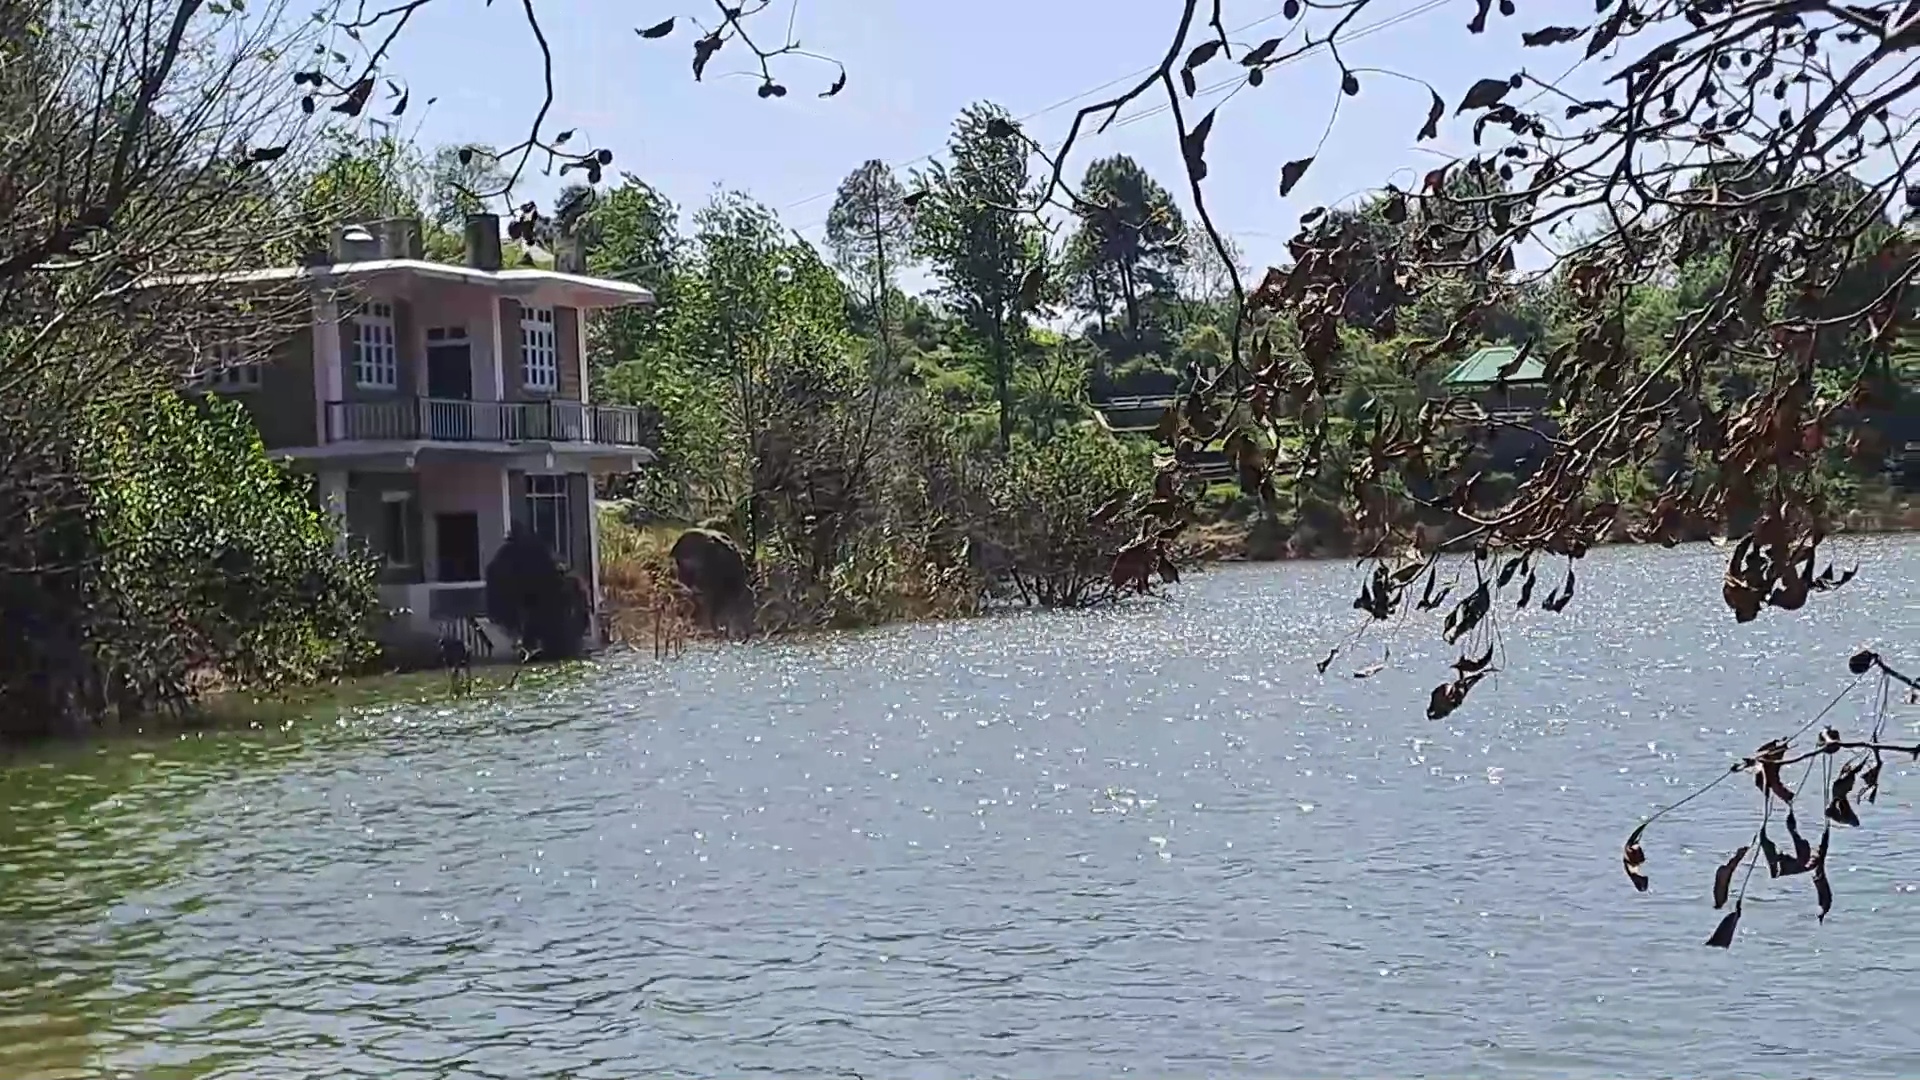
x=1483, y=368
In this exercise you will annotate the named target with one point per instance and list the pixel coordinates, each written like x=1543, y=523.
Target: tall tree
x=971, y=229
x=756, y=312
x=630, y=233
x=1128, y=242
x=870, y=232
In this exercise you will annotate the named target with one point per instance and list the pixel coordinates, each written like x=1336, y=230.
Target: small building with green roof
x=1478, y=378
x=1481, y=371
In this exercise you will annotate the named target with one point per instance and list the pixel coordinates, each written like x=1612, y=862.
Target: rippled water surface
x=1147, y=841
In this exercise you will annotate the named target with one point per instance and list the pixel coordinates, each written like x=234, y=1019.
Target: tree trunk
x=1002, y=382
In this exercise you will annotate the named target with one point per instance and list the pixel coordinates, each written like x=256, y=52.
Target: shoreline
x=259, y=711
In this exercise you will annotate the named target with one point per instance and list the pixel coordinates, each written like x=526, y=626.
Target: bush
x=545, y=608
x=168, y=554
x=1043, y=503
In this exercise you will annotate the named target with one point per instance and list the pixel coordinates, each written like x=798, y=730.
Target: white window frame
x=409, y=556
x=554, y=492
x=230, y=371
x=539, y=349
x=376, y=351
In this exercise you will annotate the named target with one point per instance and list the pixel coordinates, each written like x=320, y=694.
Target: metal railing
x=453, y=420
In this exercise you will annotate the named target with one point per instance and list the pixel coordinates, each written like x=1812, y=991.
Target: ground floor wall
x=435, y=529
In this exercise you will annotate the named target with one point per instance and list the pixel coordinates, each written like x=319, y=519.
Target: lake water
x=1147, y=841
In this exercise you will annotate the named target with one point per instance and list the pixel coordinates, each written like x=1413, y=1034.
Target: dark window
x=396, y=528
x=457, y=547
x=549, y=515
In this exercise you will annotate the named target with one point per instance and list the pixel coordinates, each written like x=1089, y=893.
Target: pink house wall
x=479, y=488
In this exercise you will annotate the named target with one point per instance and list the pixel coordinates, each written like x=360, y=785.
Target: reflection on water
x=1148, y=840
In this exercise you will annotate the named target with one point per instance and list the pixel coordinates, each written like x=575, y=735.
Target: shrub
x=545, y=608
x=169, y=553
x=1042, y=515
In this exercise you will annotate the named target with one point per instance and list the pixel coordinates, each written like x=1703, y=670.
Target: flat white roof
x=604, y=290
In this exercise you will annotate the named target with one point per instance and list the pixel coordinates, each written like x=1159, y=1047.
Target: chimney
x=400, y=238
x=569, y=255
x=353, y=243
x=483, y=241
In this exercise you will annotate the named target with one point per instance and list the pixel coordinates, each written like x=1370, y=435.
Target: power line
x=1156, y=110
x=1038, y=113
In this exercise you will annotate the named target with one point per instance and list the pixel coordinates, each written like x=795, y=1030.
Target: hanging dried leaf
x=839, y=84
x=1723, y=877
x=1435, y=110
x=1031, y=285
x=1328, y=662
x=1290, y=174
x=1551, y=35
x=1839, y=809
x=1770, y=853
x=703, y=51
x=1484, y=94
x=1201, y=53
x=1194, y=148
x=1821, y=889
x=657, y=30
x=1469, y=665
x=1635, y=860
x=1723, y=934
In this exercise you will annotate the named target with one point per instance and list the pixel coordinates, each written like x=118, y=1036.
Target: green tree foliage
x=213, y=557
x=460, y=179
x=970, y=227
x=1124, y=252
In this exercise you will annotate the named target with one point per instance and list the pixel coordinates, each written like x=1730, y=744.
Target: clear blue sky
x=913, y=64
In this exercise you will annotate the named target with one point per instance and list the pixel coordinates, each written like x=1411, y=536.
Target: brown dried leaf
x=1435, y=110
x=1821, y=889
x=1470, y=665
x=1551, y=35
x=1201, y=53
x=1723, y=934
x=1484, y=94
x=1635, y=860
x=1290, y=174
x=1031, y=284
x=703, y=51
x=1770, y=853
x=1328, y=662
x=1194, y=148
x=657, y=30
x=1723, y=877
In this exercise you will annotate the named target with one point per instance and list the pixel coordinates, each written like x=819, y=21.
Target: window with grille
x=376, y=357
x=229, y=371
x=396, y=528
x=550, y=515
x=539, y=350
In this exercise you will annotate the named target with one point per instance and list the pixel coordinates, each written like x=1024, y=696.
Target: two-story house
x=439, y=405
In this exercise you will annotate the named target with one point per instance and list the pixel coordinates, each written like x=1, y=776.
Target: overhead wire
x=1155, y=110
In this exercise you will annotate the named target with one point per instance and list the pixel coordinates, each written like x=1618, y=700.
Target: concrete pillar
x=333, y=501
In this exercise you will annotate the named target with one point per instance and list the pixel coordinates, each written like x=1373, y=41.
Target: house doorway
x=449, y=383
x=457, y=547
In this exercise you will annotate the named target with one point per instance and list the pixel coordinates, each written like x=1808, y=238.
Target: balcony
x=411, y=419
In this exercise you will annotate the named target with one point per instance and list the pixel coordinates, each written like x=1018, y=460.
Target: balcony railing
x=449, y=420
